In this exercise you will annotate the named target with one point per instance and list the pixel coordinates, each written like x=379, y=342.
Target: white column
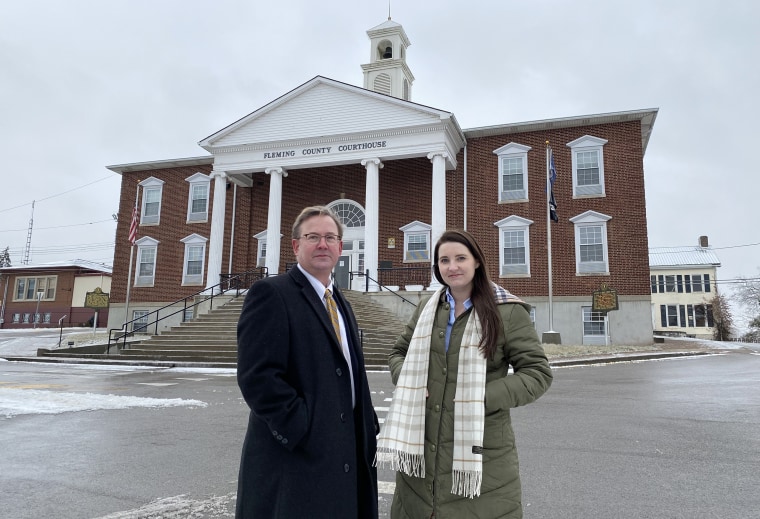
x=274, y=220
x=438, y=205
x=216, y=242
x=372, y=218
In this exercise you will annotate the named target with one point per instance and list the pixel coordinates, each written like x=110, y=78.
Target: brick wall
x=405, y=195
x=624, y=202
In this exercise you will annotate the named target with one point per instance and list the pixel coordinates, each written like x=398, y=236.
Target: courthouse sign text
x=325, y=150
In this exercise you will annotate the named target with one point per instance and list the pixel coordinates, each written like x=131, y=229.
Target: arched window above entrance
x=350, y=213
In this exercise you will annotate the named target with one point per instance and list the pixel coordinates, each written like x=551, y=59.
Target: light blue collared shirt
x=452, y=304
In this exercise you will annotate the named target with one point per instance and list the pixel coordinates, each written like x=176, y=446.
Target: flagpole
x=131, y=258
x=549, y=234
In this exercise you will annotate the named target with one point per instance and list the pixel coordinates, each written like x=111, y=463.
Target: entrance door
x=341, y=272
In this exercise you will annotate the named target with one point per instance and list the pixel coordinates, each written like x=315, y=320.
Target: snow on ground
x=24, y=342
x=718, y=345
x=181, y=507
x=15, y=402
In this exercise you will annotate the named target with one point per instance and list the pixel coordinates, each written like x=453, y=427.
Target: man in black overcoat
x=311, y=435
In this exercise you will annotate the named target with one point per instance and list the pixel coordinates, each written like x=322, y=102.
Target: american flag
x=133, y=226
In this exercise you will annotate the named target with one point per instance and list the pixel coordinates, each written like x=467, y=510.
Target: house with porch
x=683, y=285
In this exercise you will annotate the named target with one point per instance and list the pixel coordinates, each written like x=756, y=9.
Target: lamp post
x=37, y=311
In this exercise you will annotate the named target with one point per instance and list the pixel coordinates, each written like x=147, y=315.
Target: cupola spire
x=387, y=72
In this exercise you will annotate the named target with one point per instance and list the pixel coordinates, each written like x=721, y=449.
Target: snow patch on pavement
x=16, y=402
x=176, y=507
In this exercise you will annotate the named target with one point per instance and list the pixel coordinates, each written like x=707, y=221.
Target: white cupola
x=387, y=71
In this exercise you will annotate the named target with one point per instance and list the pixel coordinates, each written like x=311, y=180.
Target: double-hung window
x=514, y=246
x=261, y=249
x=140, y=321
x=195, y=255
x=594, y=326
x=147, y=249
x=513, y=172
x=591, y=248
x=588, y=166
x=152, y=191
x=416, y=242
x=197, y=202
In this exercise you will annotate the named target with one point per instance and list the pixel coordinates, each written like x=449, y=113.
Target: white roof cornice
x=646, y=116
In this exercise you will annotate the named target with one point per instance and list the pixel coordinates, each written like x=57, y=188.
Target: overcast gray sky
x=85, y=84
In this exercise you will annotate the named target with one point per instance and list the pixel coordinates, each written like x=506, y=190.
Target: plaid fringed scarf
x=401, y=444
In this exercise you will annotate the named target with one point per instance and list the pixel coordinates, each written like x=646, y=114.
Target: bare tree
x=747, y=294
x=724, y=321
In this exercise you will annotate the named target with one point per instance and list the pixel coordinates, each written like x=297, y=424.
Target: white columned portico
x=372, y=219
x=216, y=241
x=438, y=204
x=274, y=219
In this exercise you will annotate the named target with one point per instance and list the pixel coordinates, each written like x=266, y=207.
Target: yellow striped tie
x=332, y=309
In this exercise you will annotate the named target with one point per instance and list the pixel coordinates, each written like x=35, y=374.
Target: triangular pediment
x=323, y=107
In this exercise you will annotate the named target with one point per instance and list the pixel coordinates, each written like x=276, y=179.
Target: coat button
x=437, y=408
x=339, y=372
x=346, y=468
x=342, y=417
x=441, y=334
x=432, y=448
x=284, y=441
x=274, y=433
x=279, y=437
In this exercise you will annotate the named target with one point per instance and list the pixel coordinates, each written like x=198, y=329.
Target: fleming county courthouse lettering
x=398, y=174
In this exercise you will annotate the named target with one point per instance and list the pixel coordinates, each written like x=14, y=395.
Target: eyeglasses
x=314, y=238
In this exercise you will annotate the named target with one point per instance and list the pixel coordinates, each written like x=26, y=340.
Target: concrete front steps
x=379, y=327
x=211, y=339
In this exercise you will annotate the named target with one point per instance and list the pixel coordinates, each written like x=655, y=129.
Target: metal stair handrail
x=237, y=282
x=367, y=277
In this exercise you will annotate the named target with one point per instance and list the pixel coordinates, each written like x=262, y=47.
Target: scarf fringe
x=466, y=483
x=400, y=461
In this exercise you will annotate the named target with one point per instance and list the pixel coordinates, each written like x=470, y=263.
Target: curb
x=558, y=363
x=626, y=357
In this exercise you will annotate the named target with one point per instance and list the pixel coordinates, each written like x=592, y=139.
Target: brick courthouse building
x=399, y=173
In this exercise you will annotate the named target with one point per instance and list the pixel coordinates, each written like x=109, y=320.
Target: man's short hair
x=315, y=210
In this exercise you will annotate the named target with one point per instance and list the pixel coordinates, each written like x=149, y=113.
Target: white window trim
x=261, y=248
x=513, y=151
x=194, y=180
x=45, y=291
x=595, y=339
x=151, y=182
x=145, y=243
x=514, y=223
x=417, y=228
x=142, y=324
x=194, y=240
x=588, y=143
x=591, y=219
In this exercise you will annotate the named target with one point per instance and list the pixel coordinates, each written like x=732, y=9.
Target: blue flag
x=552, y=178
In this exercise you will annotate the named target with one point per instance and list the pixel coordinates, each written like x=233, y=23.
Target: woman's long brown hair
x=482, y=297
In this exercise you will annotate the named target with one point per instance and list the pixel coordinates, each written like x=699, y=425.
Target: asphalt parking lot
x=673, y=438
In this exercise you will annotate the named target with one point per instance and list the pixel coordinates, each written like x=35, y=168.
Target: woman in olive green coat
x=459, y=460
